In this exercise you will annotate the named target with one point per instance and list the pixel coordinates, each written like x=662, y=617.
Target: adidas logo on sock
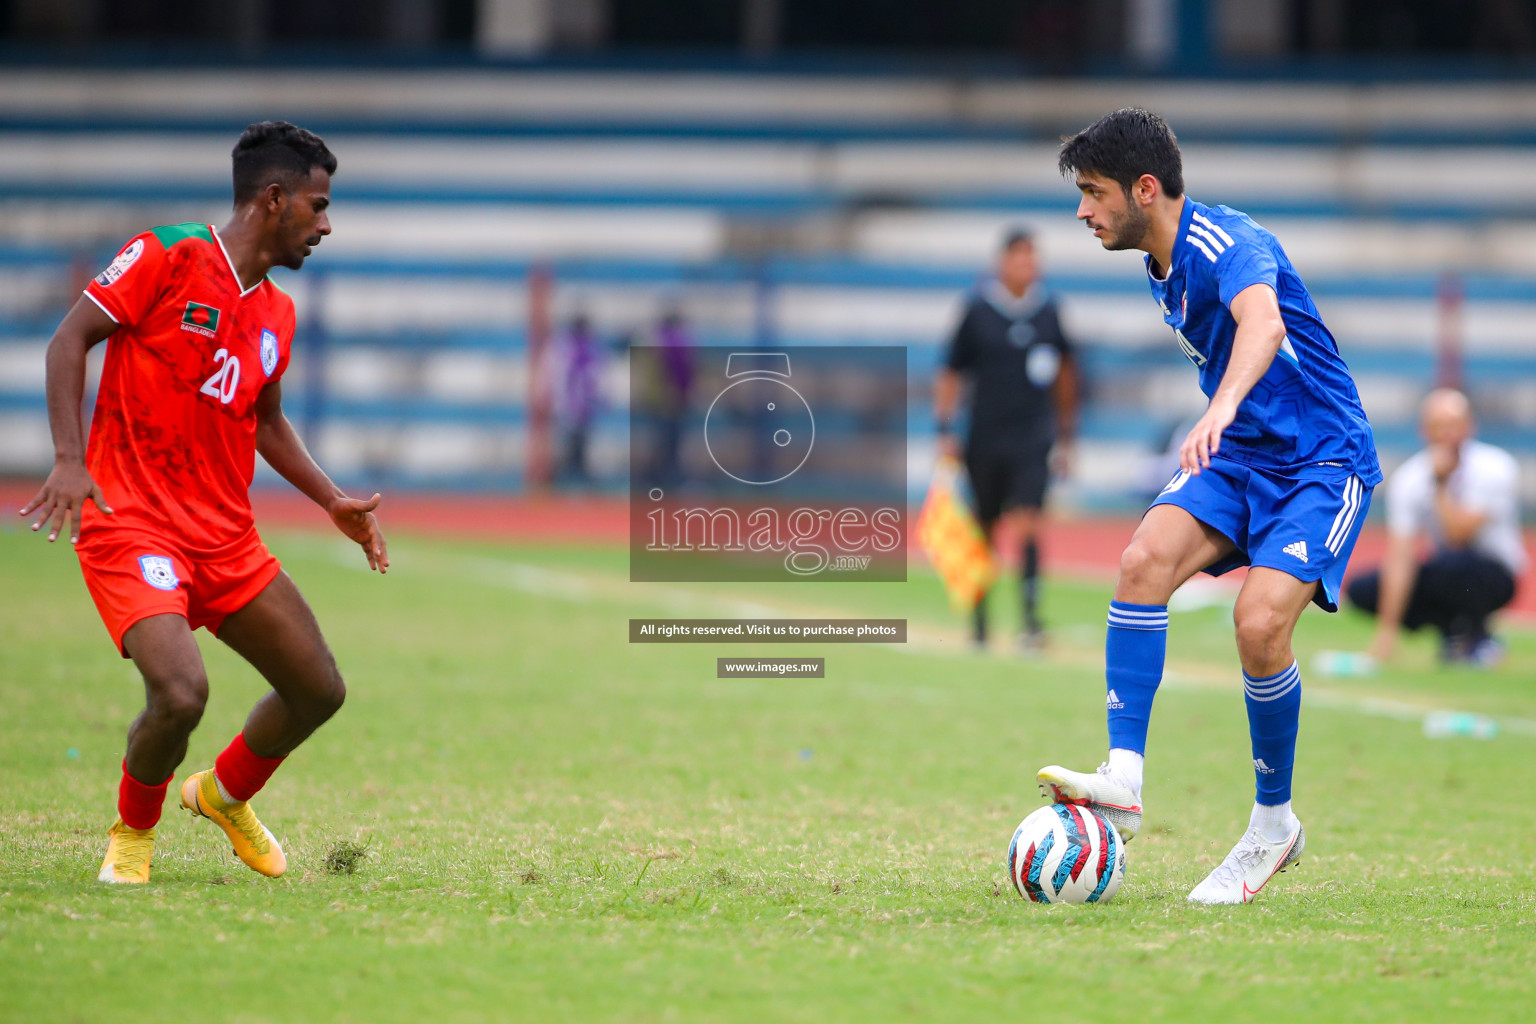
x=1297, y=550
x=1262, y=768
x=1113, y=701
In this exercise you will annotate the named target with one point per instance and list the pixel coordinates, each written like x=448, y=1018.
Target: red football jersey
x=173, y=441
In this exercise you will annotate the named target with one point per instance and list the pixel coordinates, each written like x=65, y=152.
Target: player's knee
x=334, y=695
x=1023, y=522
x=179, y=698
x=1261, y=629
x=1144, y=570
x=326, y=695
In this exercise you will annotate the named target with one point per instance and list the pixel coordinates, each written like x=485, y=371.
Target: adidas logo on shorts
x=1297, y=550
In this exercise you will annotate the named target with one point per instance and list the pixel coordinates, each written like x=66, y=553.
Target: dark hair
x=277, y=151
x=1124, y=145
x=1016, y=234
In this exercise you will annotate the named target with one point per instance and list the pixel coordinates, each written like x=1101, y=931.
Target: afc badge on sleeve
x=268, y=352
x=119, y=266
x=159, y=572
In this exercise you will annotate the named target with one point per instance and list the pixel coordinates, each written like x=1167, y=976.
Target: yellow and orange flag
x=952, y=540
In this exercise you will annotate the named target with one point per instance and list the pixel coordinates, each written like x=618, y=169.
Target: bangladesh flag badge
x=200, y=319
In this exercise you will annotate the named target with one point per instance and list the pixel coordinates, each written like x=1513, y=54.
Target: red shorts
x=134, y=573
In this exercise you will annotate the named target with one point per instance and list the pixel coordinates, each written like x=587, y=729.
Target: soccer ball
x=1066, y=854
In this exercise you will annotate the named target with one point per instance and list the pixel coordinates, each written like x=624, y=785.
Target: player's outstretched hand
x=61, y=502
x=1383, y=646
x=354, y=517
x=1205, y=439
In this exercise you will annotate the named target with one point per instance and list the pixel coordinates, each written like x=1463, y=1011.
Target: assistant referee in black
x=1011, y=350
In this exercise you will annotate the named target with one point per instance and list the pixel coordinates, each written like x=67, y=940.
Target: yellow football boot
x=253, y=843
x=128, y=853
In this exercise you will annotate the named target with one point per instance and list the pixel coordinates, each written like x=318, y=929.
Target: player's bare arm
x=1064, y=392
x=284, y=450
x=946, y=404
x=1399, y=570
x=1260, y=332
x=61, y=501
x=1458, y=523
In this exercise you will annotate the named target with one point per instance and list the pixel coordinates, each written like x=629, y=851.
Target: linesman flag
x=952, y=540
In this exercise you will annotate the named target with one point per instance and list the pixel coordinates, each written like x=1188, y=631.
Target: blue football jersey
x=1305, y=410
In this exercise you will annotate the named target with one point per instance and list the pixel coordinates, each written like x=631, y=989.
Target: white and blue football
x=1063, y=853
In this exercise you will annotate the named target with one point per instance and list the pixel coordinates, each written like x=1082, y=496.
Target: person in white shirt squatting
x=1463, y=495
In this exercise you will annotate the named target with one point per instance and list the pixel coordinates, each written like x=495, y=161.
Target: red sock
x=137, y=804
x=242, y=773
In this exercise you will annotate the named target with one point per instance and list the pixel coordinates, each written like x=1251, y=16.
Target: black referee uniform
x=1012, y=349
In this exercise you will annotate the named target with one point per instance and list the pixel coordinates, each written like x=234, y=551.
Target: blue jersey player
x=1276, y=475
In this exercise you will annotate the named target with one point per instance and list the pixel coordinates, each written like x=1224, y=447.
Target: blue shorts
x=1303, y=524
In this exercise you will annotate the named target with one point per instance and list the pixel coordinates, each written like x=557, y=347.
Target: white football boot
x=1101, y=791
x=1249, y=867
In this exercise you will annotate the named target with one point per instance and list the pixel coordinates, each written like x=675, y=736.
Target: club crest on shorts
x=268, y=352
x=120, y=265
x=158, y=572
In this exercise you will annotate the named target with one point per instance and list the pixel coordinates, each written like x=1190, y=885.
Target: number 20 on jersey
x=225, y=379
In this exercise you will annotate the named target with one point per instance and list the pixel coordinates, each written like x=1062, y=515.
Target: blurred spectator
x=1465, y=495
x=677, y=376
x=577, y=398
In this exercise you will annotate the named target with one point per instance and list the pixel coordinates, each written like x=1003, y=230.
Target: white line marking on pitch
x=539, y=581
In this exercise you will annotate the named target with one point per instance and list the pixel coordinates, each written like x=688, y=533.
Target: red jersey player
x=190, y=392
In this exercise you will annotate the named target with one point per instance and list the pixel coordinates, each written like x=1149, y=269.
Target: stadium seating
x=786, y=210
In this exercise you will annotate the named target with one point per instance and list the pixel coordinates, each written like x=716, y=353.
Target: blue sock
x=1133, y=667
x=1274, y=715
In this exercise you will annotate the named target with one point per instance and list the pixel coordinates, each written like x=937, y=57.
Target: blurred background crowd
x=528, y=187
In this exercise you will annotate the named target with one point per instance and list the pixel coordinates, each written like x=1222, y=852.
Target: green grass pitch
x=563, y=826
